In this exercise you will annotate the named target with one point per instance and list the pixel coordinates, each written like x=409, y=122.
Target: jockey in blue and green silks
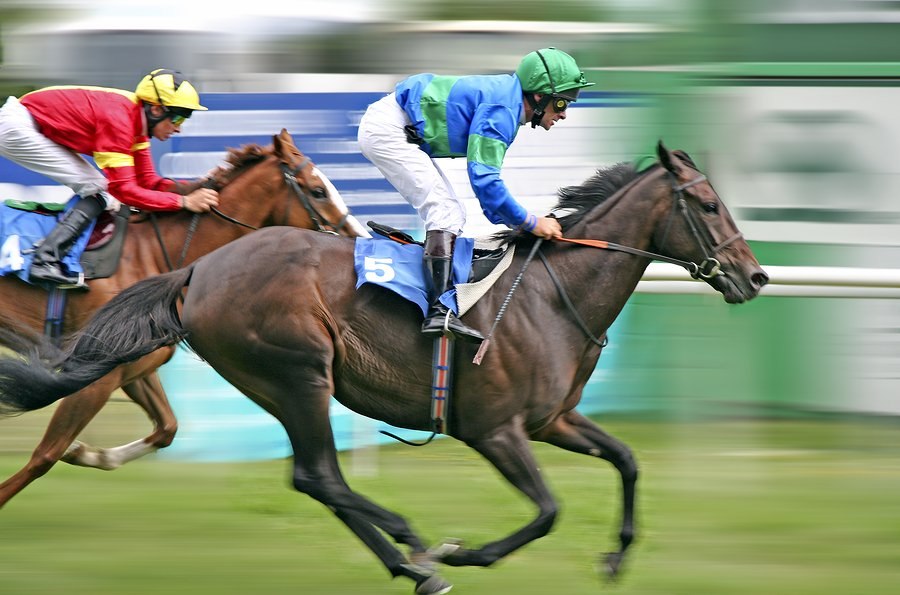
x=476, y=117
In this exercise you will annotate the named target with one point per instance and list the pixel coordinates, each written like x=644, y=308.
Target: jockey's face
x=165, y=128
x=550, y=117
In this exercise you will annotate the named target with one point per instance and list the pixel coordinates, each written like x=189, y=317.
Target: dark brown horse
x=275, y=185
x=303, y=333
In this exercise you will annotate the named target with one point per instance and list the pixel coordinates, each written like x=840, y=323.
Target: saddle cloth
x=21, y=229
x=398, y=267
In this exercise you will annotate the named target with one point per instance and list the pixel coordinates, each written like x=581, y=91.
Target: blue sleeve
x=492, y=131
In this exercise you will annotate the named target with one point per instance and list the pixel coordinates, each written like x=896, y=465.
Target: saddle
x=397, y=266
x=103, y=252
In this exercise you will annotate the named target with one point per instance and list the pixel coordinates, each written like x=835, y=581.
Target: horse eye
x=319, y=193
x=711, y=207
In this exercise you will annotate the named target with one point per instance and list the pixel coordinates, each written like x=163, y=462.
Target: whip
x=487, y=339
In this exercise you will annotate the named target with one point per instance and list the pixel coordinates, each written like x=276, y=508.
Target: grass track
x=744, y=507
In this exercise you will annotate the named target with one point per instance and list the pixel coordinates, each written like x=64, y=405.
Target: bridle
x=707, y=269
x=289, y=175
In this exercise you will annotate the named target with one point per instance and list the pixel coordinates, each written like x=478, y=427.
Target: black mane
x=576, y=201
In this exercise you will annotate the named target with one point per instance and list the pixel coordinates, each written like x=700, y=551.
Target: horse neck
x=256, y=195
x=602, y=283
x=630, y=216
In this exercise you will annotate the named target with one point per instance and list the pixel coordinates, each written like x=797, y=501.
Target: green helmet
x=551, y=72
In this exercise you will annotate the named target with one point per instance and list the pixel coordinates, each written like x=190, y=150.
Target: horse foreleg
x=71, y=416
x=317, y=474
x=508, y=450
x=574, y=432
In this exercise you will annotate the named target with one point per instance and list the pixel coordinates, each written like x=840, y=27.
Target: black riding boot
x=438, y=260
x=47, y=264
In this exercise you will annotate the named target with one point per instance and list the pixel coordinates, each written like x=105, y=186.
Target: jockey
x=476, y=117
x=48, y=128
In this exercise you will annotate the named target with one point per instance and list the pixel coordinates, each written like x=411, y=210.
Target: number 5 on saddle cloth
x=398, y=267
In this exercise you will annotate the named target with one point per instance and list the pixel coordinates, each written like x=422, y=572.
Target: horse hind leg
x=148, y=393
x=71, y=416
x=574, y=432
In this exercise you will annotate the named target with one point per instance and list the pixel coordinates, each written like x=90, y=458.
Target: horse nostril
x=760, y=279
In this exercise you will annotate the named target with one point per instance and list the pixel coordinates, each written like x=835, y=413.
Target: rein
x=290, y=177
x=708, y=268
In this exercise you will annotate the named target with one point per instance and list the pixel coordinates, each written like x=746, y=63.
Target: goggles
x=177, y=114
x=560, y=104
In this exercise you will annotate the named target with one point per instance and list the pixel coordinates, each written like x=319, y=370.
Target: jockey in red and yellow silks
x=48, y=130
x=108, y=125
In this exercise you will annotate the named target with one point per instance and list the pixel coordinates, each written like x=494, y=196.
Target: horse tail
x=138, y=321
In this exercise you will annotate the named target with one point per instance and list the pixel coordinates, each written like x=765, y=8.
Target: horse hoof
x=444, y=550
x=433, y=585
x=610, y=564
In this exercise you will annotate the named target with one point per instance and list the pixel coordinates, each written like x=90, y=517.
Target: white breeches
x=414, y=174
x=21, y=142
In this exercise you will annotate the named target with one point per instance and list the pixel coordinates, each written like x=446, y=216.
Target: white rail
x=835, y=282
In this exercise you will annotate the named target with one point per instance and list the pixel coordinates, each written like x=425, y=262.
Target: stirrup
x=48, y=273
x=452, y=327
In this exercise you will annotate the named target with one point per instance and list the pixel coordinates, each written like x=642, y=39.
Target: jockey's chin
x=163, y=135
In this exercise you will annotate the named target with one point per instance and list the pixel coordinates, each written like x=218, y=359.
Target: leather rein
x=290, y=177
x=708, y=268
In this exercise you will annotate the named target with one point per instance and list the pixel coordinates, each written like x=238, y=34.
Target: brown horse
x=303, y=333
x=276, y=185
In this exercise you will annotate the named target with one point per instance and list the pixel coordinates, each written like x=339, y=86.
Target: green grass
x=744, y=507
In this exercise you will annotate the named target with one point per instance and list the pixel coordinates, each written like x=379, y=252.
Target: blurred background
x=790, y=106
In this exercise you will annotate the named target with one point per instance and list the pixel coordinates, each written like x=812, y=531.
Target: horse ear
x=665, y=158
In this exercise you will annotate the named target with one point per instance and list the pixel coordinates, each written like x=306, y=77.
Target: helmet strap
x=152, y=120
x=538, y=107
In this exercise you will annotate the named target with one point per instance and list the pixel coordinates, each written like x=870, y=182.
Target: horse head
x=321, y=200
x=669, y=212
x=707, y=235
x=297, y=192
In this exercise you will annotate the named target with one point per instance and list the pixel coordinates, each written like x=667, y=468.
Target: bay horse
x=303, y=333
x=258, y=186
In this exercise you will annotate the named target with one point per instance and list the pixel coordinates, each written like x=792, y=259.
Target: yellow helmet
x=169, y=89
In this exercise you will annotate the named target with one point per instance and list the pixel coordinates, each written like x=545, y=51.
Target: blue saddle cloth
x=398, y=267
x=20, y=230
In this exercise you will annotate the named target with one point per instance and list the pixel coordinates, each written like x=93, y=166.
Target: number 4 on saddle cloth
x=22, y=224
